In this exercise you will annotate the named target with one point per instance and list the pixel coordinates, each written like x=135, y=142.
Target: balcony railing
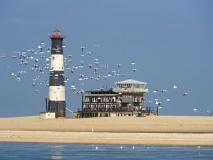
x=89, y=110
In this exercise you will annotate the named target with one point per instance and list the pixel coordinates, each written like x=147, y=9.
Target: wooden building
x=124, y=100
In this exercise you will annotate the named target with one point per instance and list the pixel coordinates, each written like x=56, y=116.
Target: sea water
x=25, y=151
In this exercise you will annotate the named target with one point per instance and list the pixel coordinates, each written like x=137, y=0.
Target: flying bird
x=168, y=99
x=82, y=49
x=155, y=91
x=184, y=94
x=163, y=90
x=134, y=70
x=175, y=86
x=195, y=109
x=133, y=62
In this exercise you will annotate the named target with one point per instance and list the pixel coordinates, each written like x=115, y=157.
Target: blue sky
x=170, y=42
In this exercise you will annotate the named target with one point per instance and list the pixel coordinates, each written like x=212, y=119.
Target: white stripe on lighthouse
x=57, y=62
x=57, y=93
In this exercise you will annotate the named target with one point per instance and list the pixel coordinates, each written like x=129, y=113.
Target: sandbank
x=150, y=130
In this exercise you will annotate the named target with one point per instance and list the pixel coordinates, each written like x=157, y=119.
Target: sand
x=150, y=130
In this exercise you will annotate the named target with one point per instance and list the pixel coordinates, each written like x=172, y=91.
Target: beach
x=150, y=130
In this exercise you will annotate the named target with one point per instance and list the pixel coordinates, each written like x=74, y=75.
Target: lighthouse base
x=59, y=107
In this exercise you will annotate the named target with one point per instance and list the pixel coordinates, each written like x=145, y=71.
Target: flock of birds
x=80, y=64
x=38, y=62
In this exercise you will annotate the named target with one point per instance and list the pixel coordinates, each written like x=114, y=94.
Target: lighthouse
x=56, y=99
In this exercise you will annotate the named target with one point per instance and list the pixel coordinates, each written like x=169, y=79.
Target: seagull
x=48, y=49
x=82, y=49
x=90, y=65
x=209, y=112
x=184, y=94
x=96, y=61
x=18, y=78
x=134, y=70
x=73, y=85
x=133, y=62
x=155, y=91
x=175, y=86
x=168, y=99
x=105, y=77
x=163, y=90
x=119, y=65
x=195, y=109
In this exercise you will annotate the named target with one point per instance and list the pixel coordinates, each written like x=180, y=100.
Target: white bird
x=209, y=112
x=48, y=49
x=90, y=65
x=82, y=49
x=163, y=90
x=18, y=78
x=105, y=77
x=109, y=74
x=134, y=70
x=119, y=65
x=184, y=94
x=175, y=86
x=168, y=99
x=73, y=86
x=195, y=109
x=133, y=62
x=155, y=91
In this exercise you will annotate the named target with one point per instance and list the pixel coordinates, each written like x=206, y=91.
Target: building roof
x=130, y=81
